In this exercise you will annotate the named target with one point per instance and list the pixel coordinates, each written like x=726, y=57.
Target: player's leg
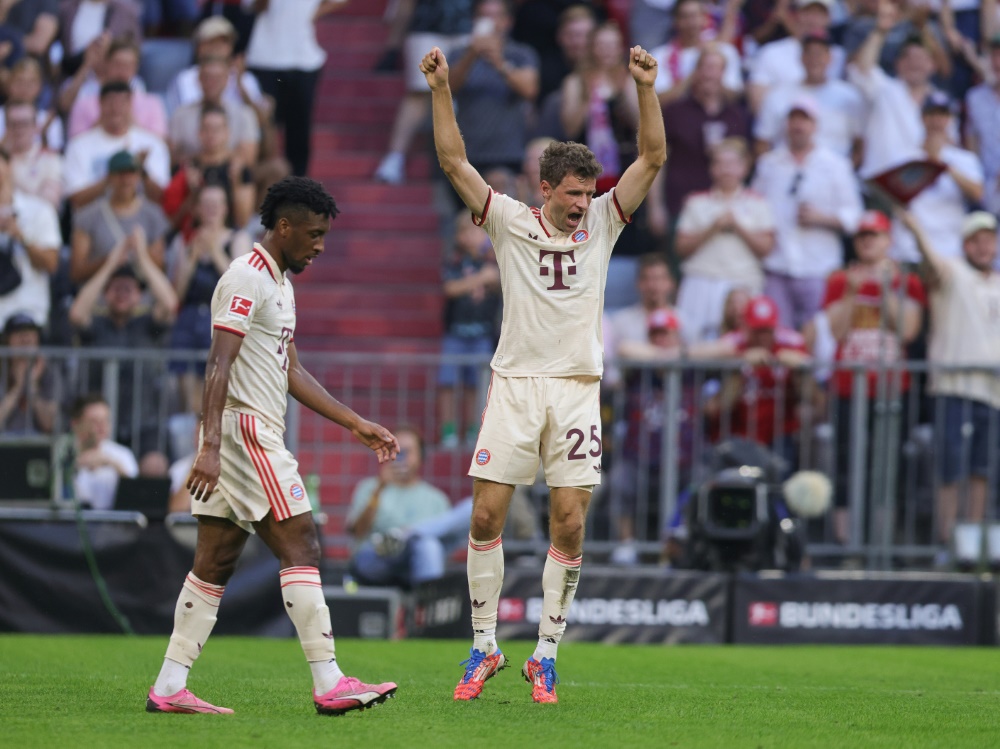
x=295, y=543
x=219, y=545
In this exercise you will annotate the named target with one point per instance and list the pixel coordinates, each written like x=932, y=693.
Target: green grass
x=82, y=692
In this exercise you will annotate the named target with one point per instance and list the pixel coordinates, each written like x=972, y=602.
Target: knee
x=216, y=568
x=485, y=525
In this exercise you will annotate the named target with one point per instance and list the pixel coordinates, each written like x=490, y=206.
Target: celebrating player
x=544, y=396
x=243, y=479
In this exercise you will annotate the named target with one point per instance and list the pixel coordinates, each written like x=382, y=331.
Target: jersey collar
x=550, y=229
x=269, y=263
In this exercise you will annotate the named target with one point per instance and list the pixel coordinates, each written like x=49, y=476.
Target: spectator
x=154, y=464
x=982, y=105
x=38, y=22
x=895, y=130
x=814, y=198
x=694, y=125
x=214, y=164
x=472, y=302
x=28, y=394
x=600, y=106
x=238, y=13
x=126, y=325
x=841, y=107
x=242, y=126
x=286, y=58
x=733, y=308
x=88, y=154
x=874, y=311
x=561, y=53
x=901, y=22
x=386, y=508
x=965, y=330
x=26, y=84
x=200, y=262
x=722, y=236
x=29, y=250
x=92, y=462
x=942, y=205
x=81, y=22
x=650, y=22
x=432, y=23
x=214, y=38
x=494, y=80
x=121, y=63
x=529, y=182
x=677, y=59
x=781, y=61
x=179, y=470
x=111, y=220
x=36, y=171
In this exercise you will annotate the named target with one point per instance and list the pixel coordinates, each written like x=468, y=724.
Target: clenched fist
x=434, y=66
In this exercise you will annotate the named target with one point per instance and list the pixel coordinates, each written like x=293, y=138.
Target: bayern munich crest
x=580, y=236
x=297, y=491
x=483, y=457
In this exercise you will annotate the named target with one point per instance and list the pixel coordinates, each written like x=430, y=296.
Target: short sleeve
x=235, y=301
x=836, y=285
x=498, y=209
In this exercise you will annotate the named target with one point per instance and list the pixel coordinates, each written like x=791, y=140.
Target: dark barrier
x=855, y=609
x=616, y=605
x=46, y=585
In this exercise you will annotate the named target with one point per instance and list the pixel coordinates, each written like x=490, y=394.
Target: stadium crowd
x=121, y=203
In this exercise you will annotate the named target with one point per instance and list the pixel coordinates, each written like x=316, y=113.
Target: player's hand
x=434, y=66
x=204, y=476
x=642, y=66
x=378, y=438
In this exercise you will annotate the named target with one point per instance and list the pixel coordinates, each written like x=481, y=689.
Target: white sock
x=194, y=618
x=485, y=567
x=305, y=605
x=560, y=577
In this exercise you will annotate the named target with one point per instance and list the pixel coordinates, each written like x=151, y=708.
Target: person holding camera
x=404, y=525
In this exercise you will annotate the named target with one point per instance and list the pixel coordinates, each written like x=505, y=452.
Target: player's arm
x=206, y=468
x=304, y=388
x=468, y=183
x=637, y=179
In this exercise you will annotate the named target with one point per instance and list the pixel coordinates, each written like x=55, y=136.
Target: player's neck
x=267, y=244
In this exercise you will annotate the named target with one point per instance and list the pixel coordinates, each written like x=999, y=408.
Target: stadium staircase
x=377, y=288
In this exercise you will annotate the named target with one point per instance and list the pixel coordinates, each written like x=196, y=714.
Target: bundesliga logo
x=483, y=457
x=240, y=306
x=296, y=491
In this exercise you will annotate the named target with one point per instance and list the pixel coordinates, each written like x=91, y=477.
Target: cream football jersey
x=553, y=287
x=255, y=301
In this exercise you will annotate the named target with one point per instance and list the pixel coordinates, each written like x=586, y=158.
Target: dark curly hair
x=293, y=196
x=560, y=159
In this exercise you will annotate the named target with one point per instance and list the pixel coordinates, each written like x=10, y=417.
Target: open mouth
x=574, y=218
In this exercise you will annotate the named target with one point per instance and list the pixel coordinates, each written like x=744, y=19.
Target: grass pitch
x=82, y=692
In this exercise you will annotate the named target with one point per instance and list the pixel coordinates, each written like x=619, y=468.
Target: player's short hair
x=294, y=196
x=652, y=260
x=562, y=158
x=82, y=402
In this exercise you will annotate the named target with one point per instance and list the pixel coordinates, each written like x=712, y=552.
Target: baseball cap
x=978, y=221
x=936, y=101
x=873, y=222
x=20, y=321
x=828, y=4
x=213, y=27
x=123, y=161
x=805, y=104
x=761, y=312
x=663, y=319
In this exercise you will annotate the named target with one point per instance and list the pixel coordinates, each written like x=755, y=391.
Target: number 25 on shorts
x=577, y=435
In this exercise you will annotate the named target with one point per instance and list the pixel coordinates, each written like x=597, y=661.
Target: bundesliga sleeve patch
x=240, y=306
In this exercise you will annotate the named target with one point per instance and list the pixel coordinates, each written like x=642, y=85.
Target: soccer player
x=243, y=479
x=544, y=396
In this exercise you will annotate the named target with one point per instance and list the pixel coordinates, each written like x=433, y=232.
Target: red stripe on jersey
x=621, y=213
x=266, y=264
x=273, y=498
x=489, y=392
x=270, y=469
x=486, y=209
x=538, y=215
x=240, y=333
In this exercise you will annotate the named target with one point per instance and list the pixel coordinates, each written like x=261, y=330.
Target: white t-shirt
x=895, y=130
x=781, y=62
x=553, y=287
x=88, y=23
x=39, y=225
x=825, y=181
x=87, y=156
x=965, y=329
x=940, y=208
x=97, y=486
x=284, y=37
x=255, y=301
x=54, y=137
x=186, y=89
x=676, y=64
x=725, y=256
x=841, y=121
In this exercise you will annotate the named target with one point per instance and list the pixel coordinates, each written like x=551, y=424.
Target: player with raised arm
x=544, y=399
x=243, y=479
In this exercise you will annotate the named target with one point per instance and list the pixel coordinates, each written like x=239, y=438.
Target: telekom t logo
x=557, y=267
